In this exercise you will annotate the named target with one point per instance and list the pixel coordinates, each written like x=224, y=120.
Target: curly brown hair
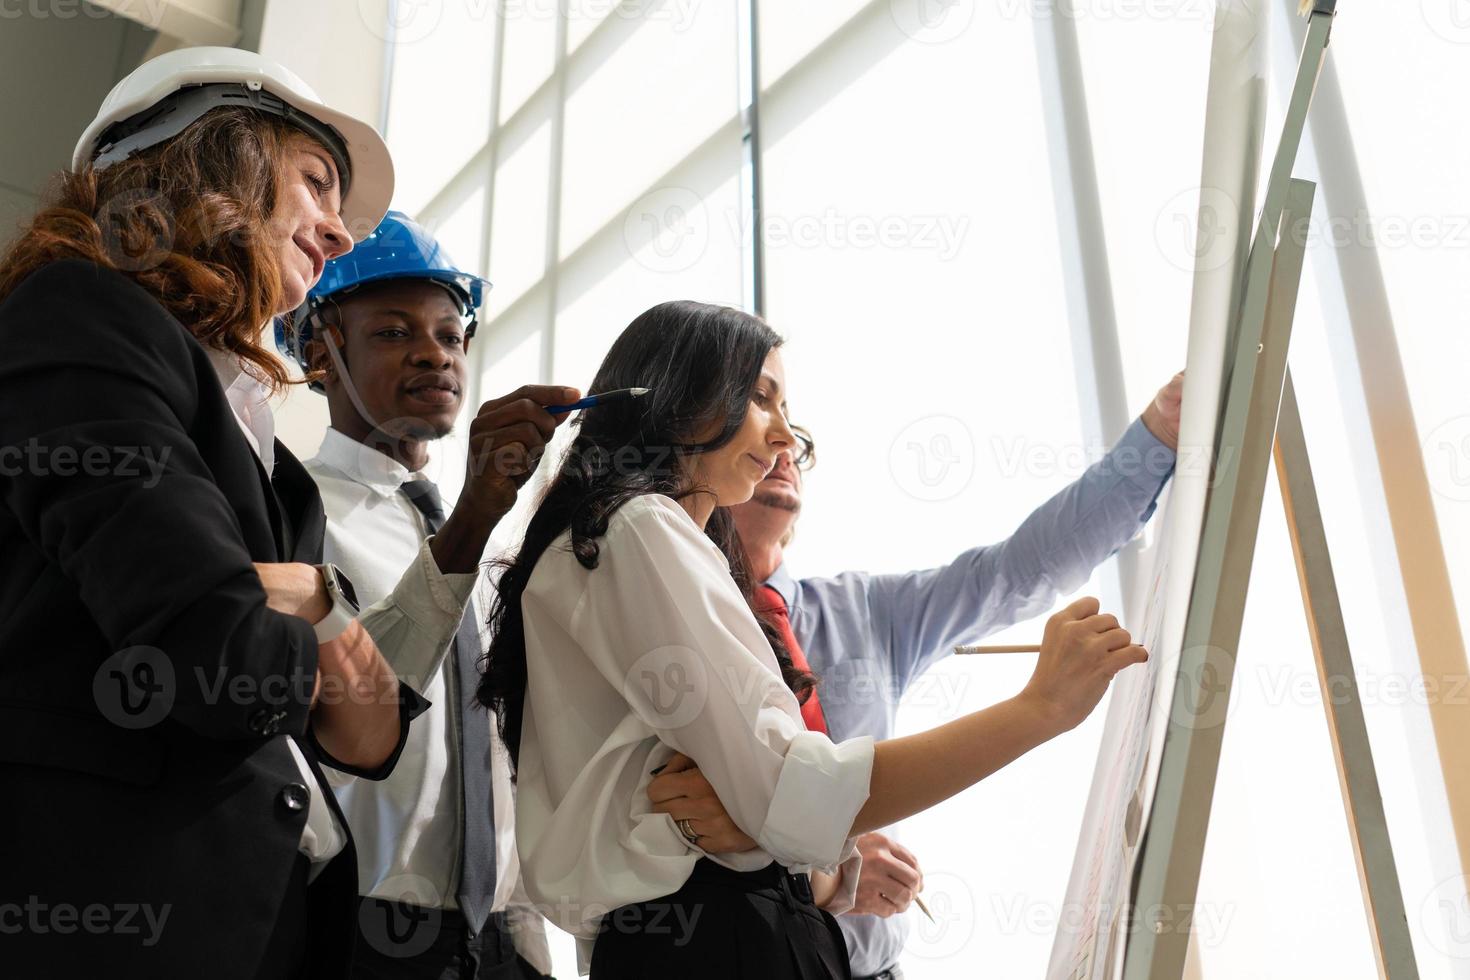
x=185, y=221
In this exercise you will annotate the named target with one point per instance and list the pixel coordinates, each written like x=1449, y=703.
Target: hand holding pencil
x=1082, y=649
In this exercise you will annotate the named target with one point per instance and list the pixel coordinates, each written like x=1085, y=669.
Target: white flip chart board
x=1088, y=945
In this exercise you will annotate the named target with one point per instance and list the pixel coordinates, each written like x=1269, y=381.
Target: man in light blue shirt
x=868, y=636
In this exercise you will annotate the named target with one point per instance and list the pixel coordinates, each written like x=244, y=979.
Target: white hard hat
x=216, y=77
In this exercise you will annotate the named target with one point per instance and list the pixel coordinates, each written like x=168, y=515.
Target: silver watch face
x=336, y=577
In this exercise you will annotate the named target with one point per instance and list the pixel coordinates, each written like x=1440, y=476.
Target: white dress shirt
x=323, y=837
x=407, y=827
x=652, y=652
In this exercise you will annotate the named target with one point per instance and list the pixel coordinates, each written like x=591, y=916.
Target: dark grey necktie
x=476, y=889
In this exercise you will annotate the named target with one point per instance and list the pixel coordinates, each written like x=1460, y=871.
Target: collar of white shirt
x=249, y=398
x=364, y=464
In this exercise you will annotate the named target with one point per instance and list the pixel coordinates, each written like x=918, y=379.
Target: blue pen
x=606, y=398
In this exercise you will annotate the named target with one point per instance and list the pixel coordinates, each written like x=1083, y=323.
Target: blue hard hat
x=399, y=248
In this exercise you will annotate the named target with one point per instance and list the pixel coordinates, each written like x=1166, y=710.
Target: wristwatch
x=344, y=604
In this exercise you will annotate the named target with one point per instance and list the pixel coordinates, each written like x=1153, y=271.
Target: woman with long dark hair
x=174, y=666
x=624, y=632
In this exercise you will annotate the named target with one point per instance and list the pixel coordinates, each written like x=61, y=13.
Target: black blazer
x=152, y=809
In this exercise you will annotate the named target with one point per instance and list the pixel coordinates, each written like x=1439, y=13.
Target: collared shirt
x=868, y=636
x=407, y=827
x=323, y=837
x=656, y=651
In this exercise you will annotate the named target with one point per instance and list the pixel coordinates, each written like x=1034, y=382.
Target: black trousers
x=398, y=941
x=724, y=924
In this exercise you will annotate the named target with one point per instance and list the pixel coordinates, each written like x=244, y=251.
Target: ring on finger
x=687, y=829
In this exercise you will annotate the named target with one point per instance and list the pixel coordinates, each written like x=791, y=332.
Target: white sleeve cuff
x=818, y=795
x=415, y=623
x=431, y=598
x=851, y=870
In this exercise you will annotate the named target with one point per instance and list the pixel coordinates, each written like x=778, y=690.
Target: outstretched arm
x=919, y=617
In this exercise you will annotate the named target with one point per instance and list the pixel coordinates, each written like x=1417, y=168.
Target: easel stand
x=1259, y=410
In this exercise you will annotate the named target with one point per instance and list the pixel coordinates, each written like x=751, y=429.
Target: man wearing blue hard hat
x=385, y=335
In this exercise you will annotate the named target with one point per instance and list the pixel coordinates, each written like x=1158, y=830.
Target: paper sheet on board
x=1088, y=942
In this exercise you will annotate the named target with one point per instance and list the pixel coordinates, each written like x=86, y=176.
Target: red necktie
x=773, y=603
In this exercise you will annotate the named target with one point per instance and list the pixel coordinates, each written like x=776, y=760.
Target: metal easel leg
x=1367, y=826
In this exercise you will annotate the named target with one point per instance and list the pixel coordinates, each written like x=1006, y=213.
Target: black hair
x=702, y=363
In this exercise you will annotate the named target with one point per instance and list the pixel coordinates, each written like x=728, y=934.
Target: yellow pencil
x=998, y=649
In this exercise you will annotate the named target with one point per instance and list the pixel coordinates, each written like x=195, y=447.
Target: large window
x=592, y=158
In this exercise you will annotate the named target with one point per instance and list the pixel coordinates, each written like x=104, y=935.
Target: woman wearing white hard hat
x=174, y=665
